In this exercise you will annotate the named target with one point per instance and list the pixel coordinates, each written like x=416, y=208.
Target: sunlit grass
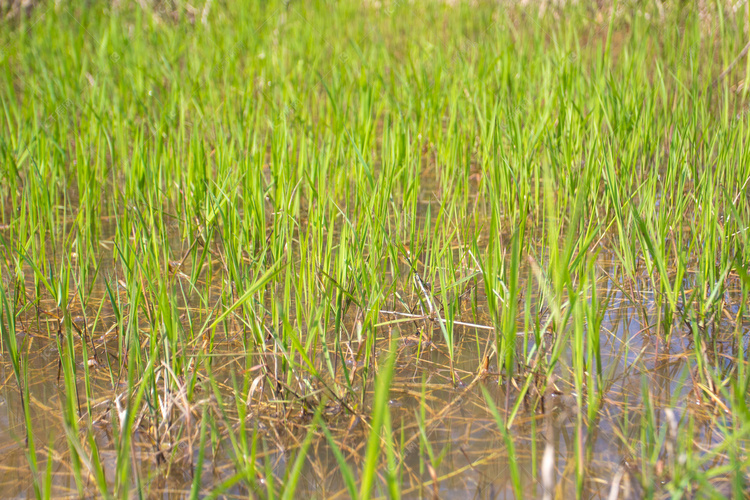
x=375, y=249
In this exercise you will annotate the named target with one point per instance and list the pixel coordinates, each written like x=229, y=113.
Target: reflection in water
x=449, y=442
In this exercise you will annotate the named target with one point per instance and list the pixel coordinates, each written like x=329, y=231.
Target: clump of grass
x=443, y=249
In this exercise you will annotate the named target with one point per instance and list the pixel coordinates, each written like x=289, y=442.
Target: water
x=449, y=444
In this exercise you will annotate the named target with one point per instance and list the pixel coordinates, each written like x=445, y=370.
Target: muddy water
x=470, y=457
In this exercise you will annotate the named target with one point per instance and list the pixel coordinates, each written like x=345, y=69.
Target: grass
x=374, y=249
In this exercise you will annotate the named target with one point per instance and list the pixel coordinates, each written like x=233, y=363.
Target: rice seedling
x=374, y=249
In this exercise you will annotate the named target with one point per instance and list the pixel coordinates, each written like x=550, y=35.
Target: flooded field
x=401, y=250
x=446, y=437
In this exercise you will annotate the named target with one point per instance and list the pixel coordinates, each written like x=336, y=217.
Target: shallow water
x=470, y=455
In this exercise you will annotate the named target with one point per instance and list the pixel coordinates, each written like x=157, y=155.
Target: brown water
x=472, y=457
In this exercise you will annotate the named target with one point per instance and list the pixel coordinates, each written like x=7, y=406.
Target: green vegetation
x=374, y=249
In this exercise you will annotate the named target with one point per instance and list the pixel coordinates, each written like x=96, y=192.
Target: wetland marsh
x=374, y=249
